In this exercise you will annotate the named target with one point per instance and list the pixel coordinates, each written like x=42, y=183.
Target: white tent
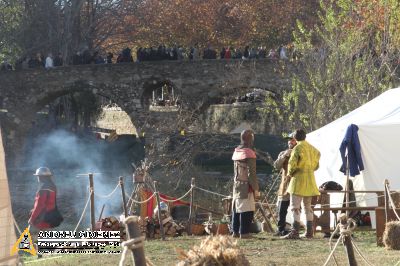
x=379, y=130
x=7, y=234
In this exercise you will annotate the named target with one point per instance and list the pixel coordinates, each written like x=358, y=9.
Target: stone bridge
x=130, y=85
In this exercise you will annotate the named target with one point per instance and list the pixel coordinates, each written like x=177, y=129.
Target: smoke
x=64, y=150
x=70, y=154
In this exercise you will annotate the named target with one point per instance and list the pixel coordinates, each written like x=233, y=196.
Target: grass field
x=262, y=250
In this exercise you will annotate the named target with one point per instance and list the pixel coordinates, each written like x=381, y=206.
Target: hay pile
x=217, y=250
x=391, y=236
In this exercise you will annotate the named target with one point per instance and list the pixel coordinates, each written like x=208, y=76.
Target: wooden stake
x=191, y=207
x=159, y=211
x=347, y=185
x=347, y=244
x=91, y=186
x=133, y=231
x=121, y=183
x=267, y=221
x=386, y=184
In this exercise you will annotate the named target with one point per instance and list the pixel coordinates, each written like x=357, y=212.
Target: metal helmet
x=247, y=137
x=163, y=207
x=43, y=171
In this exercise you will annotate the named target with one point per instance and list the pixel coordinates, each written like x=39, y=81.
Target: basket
x=223, y=229
x=138, y=177
x=197, y=229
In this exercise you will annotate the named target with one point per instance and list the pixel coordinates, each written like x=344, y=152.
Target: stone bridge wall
x=130, y=85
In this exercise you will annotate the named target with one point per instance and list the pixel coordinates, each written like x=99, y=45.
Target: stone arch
x=22, y=116
x=153, y=87
x=51, y=96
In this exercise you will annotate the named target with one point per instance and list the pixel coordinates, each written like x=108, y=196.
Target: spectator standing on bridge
x=228, y=54
x=109, y=58
x=36, y=61
x=6, y=66
x=222, y=53
x=245, y=186
x=272, y=55
x=283, y=53
x=304, y=160
x=49, y=61
x=58, y=61
x=246, y=53
x=281, y=164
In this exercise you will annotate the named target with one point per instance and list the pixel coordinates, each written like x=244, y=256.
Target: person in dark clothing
x=36, y=61
x=58, y=61
x=97, y=58
x=45, y=214
x=281, y=164
x=246, y=53
x=87, y=57
x=109, y=57
x=77, y=59
x=139, y=54
x=126, y=56
x=222, y=53
x=6, y=66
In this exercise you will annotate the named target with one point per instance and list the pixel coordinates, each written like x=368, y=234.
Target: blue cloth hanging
x=351, y=143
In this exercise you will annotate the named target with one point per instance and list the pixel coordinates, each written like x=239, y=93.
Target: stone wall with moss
x=233, y=118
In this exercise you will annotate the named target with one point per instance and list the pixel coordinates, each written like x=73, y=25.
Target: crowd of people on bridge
x=162, y=52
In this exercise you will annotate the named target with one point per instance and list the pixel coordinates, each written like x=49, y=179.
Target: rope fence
x=356, y=201
x=140, y=202
x=108, y=195
x=178, y=199
x=359, y=252
x=346, y=230
x=211, y=192
x=84, y=210
x=392, y=202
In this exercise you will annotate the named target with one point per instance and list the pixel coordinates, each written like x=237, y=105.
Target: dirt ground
x=263, y=249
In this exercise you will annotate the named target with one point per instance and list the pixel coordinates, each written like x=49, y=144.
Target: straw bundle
x=391, y=236
x=217, y=250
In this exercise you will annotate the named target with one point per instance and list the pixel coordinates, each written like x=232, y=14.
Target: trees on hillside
x=68, y=26
x=221, y=23
x=348, y=59
x=65, y=26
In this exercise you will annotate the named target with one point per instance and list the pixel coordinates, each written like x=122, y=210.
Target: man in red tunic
x=45, y=214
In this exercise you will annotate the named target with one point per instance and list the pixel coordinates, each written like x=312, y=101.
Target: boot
x=235, y=235
x=309, y=231
x=294, y=233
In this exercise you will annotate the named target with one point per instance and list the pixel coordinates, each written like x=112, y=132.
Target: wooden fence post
x=191, y=206
x=91, y=189
x=121, y=183
x=386, y=184
x=159, y=210
x=133, y=231
x=347, y=243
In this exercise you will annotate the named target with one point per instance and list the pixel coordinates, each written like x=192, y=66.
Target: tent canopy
x=379, y=130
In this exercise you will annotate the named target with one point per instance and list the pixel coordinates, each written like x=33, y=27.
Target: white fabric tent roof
x=379, y=130
x=7, y=234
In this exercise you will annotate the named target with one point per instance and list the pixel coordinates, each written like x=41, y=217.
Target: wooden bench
x=324, y=199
